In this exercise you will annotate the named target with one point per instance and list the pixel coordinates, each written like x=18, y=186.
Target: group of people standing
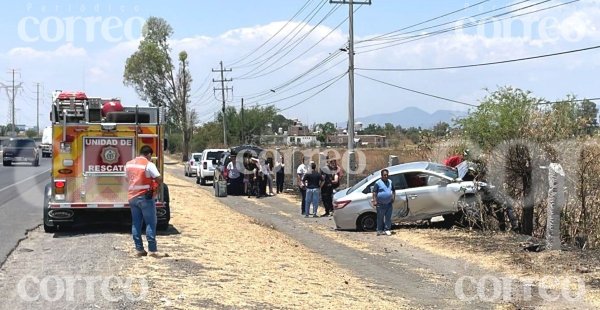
x=313, y=182
x=259, y=174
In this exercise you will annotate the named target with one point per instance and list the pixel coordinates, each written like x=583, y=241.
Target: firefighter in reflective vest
x=143, y=178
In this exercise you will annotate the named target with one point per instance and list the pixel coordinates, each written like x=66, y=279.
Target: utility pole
x=350, y=79
x=14, y=130
x=223, y=89
x=242, y=141
x=37, y=109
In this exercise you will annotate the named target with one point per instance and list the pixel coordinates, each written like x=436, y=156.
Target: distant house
x=359, y=140
x=302, y=140
x=297, y=129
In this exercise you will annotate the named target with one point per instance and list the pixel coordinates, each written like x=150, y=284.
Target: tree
x=502, y=116
x=326, y=129
x=373, y=129
x=588, y=112
x=150, y=71
x=441, y=129
x=31, y=133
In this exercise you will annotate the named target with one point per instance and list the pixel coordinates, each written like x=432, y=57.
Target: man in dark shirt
x=312, y=182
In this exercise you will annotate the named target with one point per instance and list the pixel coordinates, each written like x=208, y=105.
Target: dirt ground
x=501, y=252
x=227, y=260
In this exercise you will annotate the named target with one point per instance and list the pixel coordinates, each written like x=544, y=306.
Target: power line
x=297, y=78
x=568, y=100
x=300, y=93
x=490, y=19
x=273, y=36
x=400, y=36
x=481, y=64
x=424, y=22
x=295, y=31
x=416, y=91
x=291, y=49
x=313, y=95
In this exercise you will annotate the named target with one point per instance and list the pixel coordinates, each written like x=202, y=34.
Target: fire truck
x=92, y=140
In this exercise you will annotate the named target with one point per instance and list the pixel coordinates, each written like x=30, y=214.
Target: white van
x=47, y=142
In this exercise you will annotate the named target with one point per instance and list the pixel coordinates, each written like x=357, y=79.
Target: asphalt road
x=21, y=200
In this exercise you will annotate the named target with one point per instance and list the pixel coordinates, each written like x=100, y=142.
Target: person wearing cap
x=143, y=178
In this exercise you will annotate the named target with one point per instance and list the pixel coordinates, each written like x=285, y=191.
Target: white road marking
x=24, y=180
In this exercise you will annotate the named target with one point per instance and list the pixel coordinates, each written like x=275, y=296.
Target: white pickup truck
x=47, y=142
x=206, y=167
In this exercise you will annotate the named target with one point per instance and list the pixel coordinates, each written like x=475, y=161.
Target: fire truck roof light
x=108, y=126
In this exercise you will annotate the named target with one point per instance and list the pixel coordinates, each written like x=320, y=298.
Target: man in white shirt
x=300, y=172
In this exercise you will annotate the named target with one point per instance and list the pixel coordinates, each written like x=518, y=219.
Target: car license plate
x=20, y=159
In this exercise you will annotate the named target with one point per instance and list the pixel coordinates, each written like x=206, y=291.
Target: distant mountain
x=412, y=117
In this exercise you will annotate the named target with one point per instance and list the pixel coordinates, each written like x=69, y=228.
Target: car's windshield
x=21, y=143
x=361, y=183
x=445, y=170
x=213, y=155
x=197, y=157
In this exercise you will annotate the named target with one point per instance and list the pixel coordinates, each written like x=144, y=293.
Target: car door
x=428, y=195
x=400, y=205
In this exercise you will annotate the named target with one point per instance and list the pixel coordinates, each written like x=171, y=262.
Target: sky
x=272, y=45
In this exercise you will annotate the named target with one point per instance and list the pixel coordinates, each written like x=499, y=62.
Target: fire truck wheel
x=47, y=227
x=162, y=226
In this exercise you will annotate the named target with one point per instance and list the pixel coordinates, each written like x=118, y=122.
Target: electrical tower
x=11, y=95
x=223, y=89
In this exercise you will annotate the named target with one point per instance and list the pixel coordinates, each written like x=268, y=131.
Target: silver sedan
x=423, y=190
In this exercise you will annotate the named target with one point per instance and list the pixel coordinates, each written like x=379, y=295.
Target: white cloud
x=67, y=50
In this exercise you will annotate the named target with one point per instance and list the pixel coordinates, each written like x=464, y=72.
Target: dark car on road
x=20, y=150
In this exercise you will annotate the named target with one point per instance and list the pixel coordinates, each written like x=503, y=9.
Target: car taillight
x=341, y=204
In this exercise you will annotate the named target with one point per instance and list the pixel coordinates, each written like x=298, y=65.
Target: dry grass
x=223, y=259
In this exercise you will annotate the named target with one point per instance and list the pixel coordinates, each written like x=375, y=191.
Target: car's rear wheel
x=367, y=222
x=7, y=163
x=202, y=181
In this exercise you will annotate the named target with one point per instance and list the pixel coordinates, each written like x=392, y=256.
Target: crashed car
x=423, y=190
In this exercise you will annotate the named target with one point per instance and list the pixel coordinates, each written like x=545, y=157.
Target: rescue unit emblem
x=110, y=155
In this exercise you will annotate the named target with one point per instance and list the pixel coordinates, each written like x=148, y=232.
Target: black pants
x=262, y=185
x=303, y=193
x=327, y=197
x=279, y=178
